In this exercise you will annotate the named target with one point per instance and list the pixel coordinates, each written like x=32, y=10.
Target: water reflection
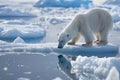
x=65, y=66
x=30, y=67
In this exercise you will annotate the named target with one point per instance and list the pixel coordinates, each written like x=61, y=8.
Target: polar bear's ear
x=68, y=35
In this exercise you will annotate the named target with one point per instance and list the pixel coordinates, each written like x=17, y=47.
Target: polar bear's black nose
x=60, y=46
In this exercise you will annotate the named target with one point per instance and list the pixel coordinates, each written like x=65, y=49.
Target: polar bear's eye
x=67, y=35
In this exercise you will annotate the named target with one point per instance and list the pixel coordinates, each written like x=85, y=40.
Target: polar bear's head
x=63, y=39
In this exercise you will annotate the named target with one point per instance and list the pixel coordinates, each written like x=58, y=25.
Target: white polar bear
x=96, y=22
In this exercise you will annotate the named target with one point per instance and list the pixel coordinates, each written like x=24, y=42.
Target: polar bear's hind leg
x=104, y=38
x=98, y=37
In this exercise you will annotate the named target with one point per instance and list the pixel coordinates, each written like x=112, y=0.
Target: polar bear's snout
x=61, y=44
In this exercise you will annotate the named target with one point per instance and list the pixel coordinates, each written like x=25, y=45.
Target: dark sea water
x=29, y=67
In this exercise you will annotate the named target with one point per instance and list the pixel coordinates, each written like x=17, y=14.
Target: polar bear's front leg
x=88, y=35
x=74, y=40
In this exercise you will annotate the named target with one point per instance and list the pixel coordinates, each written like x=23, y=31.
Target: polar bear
x=95, y=22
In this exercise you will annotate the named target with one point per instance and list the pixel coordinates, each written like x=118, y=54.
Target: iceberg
x=9, y=12
x=113, y=74
x=112, y=2
x=18, y=40
x=29, y=33
x=90, y=68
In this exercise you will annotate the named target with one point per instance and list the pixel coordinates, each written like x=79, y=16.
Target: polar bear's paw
x=102, y=43
x=71, y=43
x=97, y=41
x=88, y=44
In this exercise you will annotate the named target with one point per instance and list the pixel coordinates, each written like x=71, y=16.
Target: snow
x=63, y=3
x=47, y=48
x=94, y=68
x=28, y=46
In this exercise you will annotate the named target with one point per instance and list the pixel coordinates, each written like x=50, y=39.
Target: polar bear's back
x=99, y=19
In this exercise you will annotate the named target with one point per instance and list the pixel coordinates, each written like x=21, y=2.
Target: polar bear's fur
x=96, y=22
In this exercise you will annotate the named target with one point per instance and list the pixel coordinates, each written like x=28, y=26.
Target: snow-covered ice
x=113, y=72
x=57, y=78
x=94, y=68
x=28, y=46
x=26, y=32
x=48, y=48
x=9, y=12
x=23, y=78
x=112, y=2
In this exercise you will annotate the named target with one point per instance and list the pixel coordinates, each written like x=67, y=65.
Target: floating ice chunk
x=113, y=74
x=57, y=78
x=112, y=2
x=27, y=73
x=6, y=11
x=55, y=21
x=10, y=33
x=5, y=68
x=117, y=26
x=23, y=79
x=18, y=40
x=29, y=33
x=116, y=16
x=47, y=48
x=94, y=68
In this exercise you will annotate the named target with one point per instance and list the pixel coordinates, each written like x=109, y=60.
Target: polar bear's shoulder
x=97, y=10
